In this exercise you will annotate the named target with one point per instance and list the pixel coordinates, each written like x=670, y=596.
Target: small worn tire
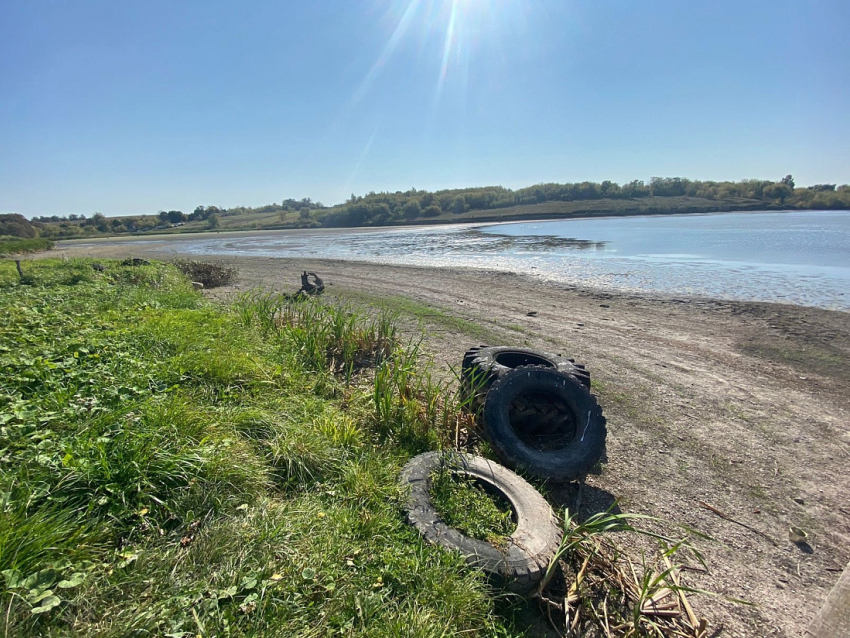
x=568, y=463
x=483, y=365
x=522, y=564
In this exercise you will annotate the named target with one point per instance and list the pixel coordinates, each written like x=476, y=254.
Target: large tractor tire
x=544, y=422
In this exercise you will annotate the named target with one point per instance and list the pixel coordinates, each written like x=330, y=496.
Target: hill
x=662, y=196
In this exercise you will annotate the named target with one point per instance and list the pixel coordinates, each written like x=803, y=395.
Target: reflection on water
x=798, y=257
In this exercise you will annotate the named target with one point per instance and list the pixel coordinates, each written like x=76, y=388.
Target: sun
x=452, y=29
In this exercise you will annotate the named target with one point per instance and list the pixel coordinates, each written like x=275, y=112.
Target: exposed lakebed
x=800, y=257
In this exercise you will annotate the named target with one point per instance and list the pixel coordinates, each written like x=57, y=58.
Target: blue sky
x=132, y=107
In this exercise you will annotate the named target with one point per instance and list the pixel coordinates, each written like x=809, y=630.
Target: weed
x=324, y=337
x=468, y=507
x=212, y=275
x=424, y=313
x=599, y=590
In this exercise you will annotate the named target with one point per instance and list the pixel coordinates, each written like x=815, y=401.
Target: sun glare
x=452, y=29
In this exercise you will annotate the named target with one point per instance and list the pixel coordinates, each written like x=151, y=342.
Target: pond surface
x=800, y=257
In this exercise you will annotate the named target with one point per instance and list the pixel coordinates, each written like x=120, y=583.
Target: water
x=794, y=257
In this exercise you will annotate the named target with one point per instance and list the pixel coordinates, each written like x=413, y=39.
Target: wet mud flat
x=739, y=406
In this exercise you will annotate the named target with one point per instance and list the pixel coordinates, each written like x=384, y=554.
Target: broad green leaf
x=46, y=605
x=75, y=580
x=37, y=597
x=248, y=582
x=13, y=578
x=41, y=579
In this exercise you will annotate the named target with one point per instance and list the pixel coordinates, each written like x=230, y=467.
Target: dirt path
x=741, y=406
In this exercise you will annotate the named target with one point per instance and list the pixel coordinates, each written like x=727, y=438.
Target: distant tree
x=458, y=206
x=304, y=215
x=432, y=211
x=176, y=216
x=146, y=222
x=17, y=226
x=635, y=188
x=412, y=209
x=779, y=190
x=789, y=181
x=98, y=220
x=609, y=189
x=213, y=221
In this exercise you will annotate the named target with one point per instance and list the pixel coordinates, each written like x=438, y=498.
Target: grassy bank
x=172, y=467
x=17, y=246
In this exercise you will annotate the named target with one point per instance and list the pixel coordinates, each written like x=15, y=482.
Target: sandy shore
x=741, y=406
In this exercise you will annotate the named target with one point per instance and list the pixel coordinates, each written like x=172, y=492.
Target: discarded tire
x=544, y=422
x=484, y=364
x=521, y=564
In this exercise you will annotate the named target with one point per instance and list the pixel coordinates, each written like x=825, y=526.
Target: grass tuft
x=212, y=275
x=466, y=506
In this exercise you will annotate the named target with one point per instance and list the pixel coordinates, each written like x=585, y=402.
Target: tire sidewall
x=531, y=547
x=574, y=460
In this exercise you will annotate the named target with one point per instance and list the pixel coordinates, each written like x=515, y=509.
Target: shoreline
x=495, y=221
x=147, y=247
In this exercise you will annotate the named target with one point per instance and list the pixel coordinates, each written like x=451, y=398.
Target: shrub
x=209, y=274
x=15, y=246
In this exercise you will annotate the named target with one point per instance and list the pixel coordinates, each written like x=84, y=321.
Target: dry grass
x=212, y=275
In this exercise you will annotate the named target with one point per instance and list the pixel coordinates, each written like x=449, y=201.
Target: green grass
x=172, y=467
x=424, y=313
x=18, y=246
x=469, y=508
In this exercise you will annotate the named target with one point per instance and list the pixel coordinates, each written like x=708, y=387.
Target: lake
x=800, y=257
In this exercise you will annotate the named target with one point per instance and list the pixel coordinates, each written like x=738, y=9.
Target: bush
x=211, y=275
x=19, y=246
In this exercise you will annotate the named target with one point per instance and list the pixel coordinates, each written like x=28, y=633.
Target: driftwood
x=315, y=287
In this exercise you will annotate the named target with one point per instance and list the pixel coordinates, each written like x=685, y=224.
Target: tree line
x=80, y=225
x=378, y=209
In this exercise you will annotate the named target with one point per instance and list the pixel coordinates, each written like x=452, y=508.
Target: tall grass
x=325, y=337
x=19, y=246
x=172, y=467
